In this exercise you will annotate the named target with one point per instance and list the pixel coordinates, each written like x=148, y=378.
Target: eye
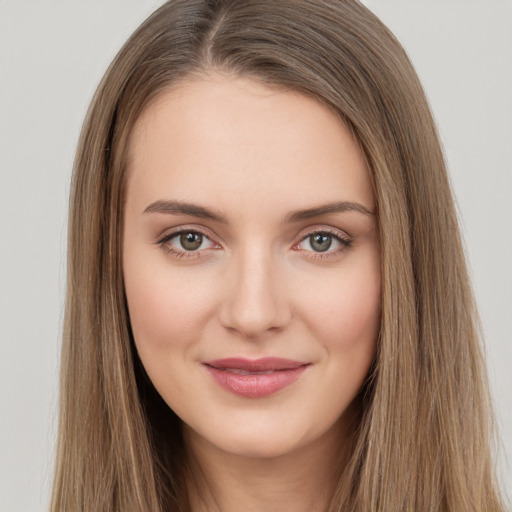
x=320, y=242
x=324, y=243
x=190, y=241
x=186, y=243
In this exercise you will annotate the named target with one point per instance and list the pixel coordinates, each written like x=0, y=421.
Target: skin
x=257, y=286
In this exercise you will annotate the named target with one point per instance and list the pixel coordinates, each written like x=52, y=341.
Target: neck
x=303, y=480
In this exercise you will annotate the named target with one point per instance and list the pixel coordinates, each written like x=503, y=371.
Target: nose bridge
x=256, y=301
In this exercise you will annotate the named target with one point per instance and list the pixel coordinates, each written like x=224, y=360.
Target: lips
x=255, y=378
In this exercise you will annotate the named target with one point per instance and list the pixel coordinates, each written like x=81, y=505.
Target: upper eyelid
x=178, y=231
x=336, y=232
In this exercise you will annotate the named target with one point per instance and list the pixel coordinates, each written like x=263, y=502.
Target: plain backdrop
x=52, y=55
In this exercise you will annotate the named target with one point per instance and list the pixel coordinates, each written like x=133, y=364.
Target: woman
x=268, y=305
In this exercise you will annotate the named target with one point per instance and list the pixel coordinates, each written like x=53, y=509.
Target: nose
x=255, y=302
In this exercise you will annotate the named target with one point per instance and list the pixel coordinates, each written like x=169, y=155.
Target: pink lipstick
x=255, y=378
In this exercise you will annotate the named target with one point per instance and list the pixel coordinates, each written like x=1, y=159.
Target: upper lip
x=255, y=365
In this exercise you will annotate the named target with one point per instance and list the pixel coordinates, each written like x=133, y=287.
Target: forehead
x=226, y=140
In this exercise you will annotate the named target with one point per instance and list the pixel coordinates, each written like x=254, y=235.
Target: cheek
x=167, y=309
x=344, y=310
x=346, y=325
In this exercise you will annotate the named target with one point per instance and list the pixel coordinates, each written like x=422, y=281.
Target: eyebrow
x=337, y=207
x=179, y=207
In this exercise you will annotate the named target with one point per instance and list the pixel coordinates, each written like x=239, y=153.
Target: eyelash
x=345, y=243
x=169, y=249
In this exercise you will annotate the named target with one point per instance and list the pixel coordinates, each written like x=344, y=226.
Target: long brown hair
x=423, y=442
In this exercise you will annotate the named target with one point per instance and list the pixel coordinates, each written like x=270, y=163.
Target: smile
x=255, y=378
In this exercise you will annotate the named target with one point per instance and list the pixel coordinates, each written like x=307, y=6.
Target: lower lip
x=256, y=385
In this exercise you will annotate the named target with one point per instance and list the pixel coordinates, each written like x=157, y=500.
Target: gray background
x=52, y=55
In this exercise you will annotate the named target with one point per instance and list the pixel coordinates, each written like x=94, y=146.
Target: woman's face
x=251, y=263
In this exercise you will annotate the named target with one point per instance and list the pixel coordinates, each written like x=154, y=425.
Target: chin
x=257, y=441
x=258, y=447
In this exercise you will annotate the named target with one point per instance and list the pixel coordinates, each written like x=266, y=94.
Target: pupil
x=191, y=241
x=321, y=243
